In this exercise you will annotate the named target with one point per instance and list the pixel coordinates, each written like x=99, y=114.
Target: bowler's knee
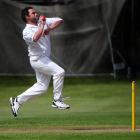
x=60, y=72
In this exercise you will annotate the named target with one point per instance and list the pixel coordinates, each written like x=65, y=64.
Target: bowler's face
x=33, y=16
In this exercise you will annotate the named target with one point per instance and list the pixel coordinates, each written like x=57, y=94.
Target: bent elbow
x=61, y=21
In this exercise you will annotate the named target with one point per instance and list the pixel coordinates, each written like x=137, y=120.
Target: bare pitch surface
x=69, y=130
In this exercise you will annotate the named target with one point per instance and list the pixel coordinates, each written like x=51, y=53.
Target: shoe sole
x=12, y=107
x=54, y=106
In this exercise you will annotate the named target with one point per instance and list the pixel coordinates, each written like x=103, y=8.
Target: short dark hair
x=25, y=13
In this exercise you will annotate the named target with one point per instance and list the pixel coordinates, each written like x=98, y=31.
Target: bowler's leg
x=38, y=88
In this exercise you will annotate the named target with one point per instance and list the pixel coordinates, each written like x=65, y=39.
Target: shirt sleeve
x=28, y=35
x=52, y=20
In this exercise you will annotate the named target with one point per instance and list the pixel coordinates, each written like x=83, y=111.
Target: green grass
x=130, y=136
x=97, y=103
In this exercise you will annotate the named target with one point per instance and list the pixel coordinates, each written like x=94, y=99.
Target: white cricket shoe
x=14, y=106
x=60, y=105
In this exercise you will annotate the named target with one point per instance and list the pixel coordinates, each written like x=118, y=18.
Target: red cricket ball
x=43, y=18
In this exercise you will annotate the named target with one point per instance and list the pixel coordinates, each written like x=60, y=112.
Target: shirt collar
x=30, y=25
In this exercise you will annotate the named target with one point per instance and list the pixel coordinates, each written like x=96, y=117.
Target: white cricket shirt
x=43, y=46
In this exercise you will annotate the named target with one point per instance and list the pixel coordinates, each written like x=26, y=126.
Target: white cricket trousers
x=44, y=69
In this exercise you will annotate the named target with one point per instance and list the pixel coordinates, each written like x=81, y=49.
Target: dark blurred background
x=98, y=36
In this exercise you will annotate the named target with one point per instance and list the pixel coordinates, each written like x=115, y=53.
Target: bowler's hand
x=42, y=20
